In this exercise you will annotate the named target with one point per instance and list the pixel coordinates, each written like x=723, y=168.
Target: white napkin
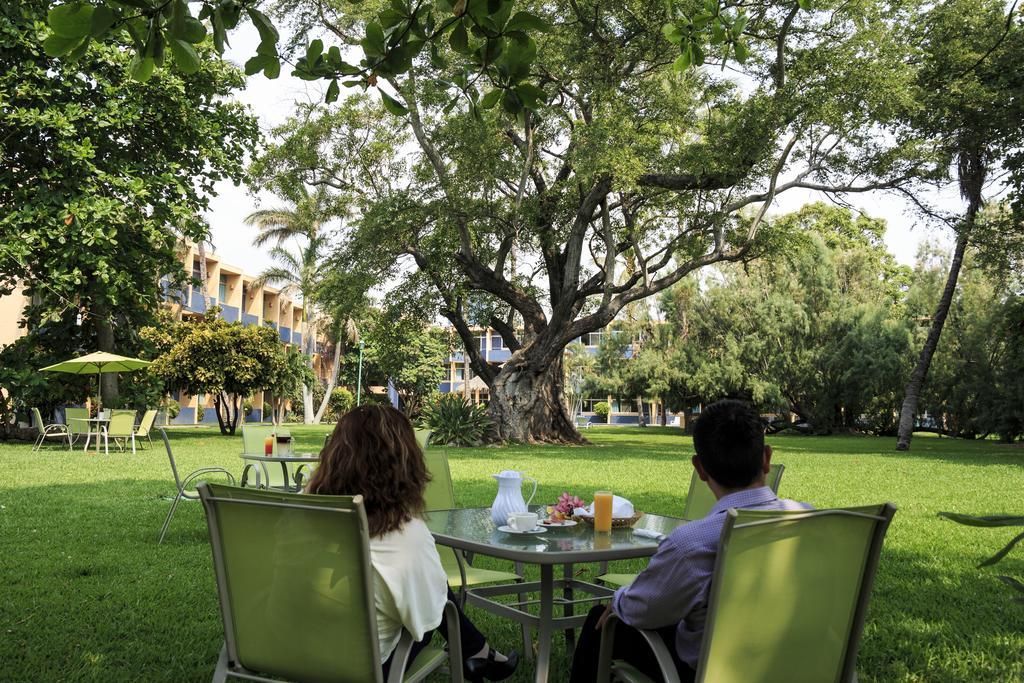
x=621, y=509
x=647, y=533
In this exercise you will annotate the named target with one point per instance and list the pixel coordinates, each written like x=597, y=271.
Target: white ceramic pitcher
x=510, y=495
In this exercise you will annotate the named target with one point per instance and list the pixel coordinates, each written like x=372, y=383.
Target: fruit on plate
x=562, y=510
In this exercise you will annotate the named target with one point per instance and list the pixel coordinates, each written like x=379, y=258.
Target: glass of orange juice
x=603, y=511
x=268, y=445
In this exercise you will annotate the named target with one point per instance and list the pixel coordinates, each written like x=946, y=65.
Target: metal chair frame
x=182, y=485
x=54, y=430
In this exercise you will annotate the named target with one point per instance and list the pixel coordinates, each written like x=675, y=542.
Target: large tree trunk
x=105, y=342
x=913, y=393
x=528, y=402
x=336, y=367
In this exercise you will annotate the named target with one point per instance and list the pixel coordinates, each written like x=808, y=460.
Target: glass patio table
x=257, y=463
x=100, y=423
x=471, y=530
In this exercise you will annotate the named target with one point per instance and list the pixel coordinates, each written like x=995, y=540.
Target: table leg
x=88, y=438
x=544, y=628
x=567, y=608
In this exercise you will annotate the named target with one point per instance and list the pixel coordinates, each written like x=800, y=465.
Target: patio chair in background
x=122, y=427
x=699, y=501
x=294, y=577
x=270, y=475
x=182, y=484
x=145, y=427
x=440, y=495
x=805, y=627
x=78, y=425
x=49, y=431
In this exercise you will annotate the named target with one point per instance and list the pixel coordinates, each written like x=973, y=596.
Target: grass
x=87, y=595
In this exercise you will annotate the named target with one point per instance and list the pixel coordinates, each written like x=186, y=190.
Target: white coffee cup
x=523, y=521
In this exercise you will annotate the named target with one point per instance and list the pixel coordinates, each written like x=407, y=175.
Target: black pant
x=629, y=646
x=469, y=636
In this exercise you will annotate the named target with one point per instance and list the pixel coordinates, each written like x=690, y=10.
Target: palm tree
x=296, y=272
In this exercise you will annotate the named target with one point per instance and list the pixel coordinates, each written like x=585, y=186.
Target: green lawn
x=88, y=595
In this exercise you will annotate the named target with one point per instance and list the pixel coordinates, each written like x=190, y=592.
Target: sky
x=272, y=100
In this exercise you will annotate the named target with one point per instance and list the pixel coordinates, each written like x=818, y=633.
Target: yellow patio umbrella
x=98, y=363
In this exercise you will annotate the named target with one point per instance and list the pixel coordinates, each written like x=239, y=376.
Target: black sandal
x=478, y=669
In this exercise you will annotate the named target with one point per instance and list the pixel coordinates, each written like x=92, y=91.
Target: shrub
x=341, y=402
x=268, y=412
x=602, y=410
x=455, y=421
x=247, y=407
x=200, y=412
x=173, y=409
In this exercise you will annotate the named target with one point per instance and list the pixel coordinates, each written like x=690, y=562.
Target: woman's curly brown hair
x=373, y=452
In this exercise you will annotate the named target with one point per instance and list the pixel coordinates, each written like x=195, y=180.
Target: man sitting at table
x=671, y=595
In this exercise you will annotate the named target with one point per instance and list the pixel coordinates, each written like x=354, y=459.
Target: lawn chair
x=440, y=495
x=582, y=421
x=296, y=591
x=78, y=426
x=145, y=427
x=699, y=502
x=49, y=431
x=182, y=484
x=423, y=438
x=788, y=599
x=121, y=426
x=270, y=475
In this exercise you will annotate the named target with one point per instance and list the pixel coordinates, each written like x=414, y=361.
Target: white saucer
x=565, y=523
x=531, y=532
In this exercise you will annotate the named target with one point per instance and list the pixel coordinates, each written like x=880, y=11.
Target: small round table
x=258, y=463
x=99, y=422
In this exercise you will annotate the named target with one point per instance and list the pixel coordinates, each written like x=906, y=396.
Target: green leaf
x=805, y=4
x=459, y=39
x=741, y=52
x=71, y=21
x=682, y=62
x=393, y=105
x=671, y=33
x=739, y=25
x=255, y=64
x=141, y=69
x=102, y=19
x=510, y=102
x=332, y=91
x=194, y=31
x=268, y=34
x=530, y=95
x=185, y=56
x=58, y=46
x=524, y=21
x=490, y=99
x=315, y=49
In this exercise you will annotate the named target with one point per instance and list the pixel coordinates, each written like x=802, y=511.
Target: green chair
x=273, y=475
x=788, y=599
x=49, y=431
x=423, y=438
x=145, y=427
x=78, y=426
x=699, y=502
x=183, y=492
x=121, y=427
x=296, y=591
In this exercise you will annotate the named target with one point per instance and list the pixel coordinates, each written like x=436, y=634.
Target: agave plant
x=455, y=421
x=995, y=521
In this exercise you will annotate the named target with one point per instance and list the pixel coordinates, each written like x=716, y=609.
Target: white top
x=410, y=585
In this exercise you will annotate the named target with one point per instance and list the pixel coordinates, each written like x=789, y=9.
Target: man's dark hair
x=729, y=440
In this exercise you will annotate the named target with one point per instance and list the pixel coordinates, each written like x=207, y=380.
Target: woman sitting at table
x=373, y=452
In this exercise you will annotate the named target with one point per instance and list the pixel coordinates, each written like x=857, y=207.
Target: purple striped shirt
x=674, y=587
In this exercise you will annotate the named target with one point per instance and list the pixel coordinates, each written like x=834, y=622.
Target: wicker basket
x=617, y=522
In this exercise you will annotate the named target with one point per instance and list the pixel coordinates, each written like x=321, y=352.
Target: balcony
x=196, y=303
x=286, y=334
x=498, y=355
x=249, y=319
x=229, y=313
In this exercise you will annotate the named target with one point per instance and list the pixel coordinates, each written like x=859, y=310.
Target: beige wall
x=11, y=307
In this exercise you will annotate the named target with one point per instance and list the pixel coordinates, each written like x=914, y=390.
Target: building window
x=589, y=403
x=459, y=373
x=222, y=289
x=623, y=405
x=482, y=339
x=592, y=338
x=497, y=342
